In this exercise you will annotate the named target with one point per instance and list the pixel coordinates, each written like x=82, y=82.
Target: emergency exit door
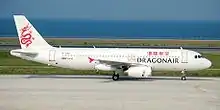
x=52, y=54
x=184, y=56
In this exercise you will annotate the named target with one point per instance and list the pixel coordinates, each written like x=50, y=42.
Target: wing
x=115, y=63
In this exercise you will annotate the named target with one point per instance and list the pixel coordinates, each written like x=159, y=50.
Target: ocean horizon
x=118, y=29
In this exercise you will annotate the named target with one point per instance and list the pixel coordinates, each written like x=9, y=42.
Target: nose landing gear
x=183, y=77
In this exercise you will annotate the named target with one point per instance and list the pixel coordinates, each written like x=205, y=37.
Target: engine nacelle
x=104, y=67
x=139, y=71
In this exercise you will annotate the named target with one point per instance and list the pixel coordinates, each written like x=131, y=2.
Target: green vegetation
x=124, y=42
x=14, y=65
x=8, y=60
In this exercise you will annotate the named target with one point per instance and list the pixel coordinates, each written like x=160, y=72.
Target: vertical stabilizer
x=29, y=38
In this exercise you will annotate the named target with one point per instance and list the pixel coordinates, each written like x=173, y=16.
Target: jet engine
x=139, y=71
x=104, y=67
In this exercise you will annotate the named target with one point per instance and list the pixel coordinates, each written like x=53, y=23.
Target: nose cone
x=208, y=63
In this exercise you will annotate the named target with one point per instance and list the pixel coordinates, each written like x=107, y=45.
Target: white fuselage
x=157, y=59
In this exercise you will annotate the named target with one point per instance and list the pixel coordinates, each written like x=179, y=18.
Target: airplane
x=137, y=63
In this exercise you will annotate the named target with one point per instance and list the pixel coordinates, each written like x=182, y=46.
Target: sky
x=113, y=9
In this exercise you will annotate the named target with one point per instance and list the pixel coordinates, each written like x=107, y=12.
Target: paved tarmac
x=74, y=92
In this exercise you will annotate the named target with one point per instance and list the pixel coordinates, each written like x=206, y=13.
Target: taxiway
x=74, y=92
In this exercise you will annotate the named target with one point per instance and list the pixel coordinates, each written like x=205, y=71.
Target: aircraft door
x=52, y=54
x=184, y=56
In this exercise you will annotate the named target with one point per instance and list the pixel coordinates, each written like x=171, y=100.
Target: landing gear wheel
x=183, y=78
x=115, y=77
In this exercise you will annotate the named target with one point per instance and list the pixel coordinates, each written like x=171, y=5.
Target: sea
x=119, y=29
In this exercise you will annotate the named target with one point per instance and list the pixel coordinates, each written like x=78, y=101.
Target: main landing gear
x=115, y=76
x=183, y=77
x=118, y=71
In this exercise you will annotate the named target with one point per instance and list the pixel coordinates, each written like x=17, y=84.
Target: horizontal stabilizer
x=24, y=52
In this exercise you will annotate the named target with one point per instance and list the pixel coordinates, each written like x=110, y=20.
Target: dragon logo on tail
x=26, y=36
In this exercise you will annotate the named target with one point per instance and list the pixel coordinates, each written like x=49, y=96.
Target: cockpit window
x=195, y=56
x=198, y=56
